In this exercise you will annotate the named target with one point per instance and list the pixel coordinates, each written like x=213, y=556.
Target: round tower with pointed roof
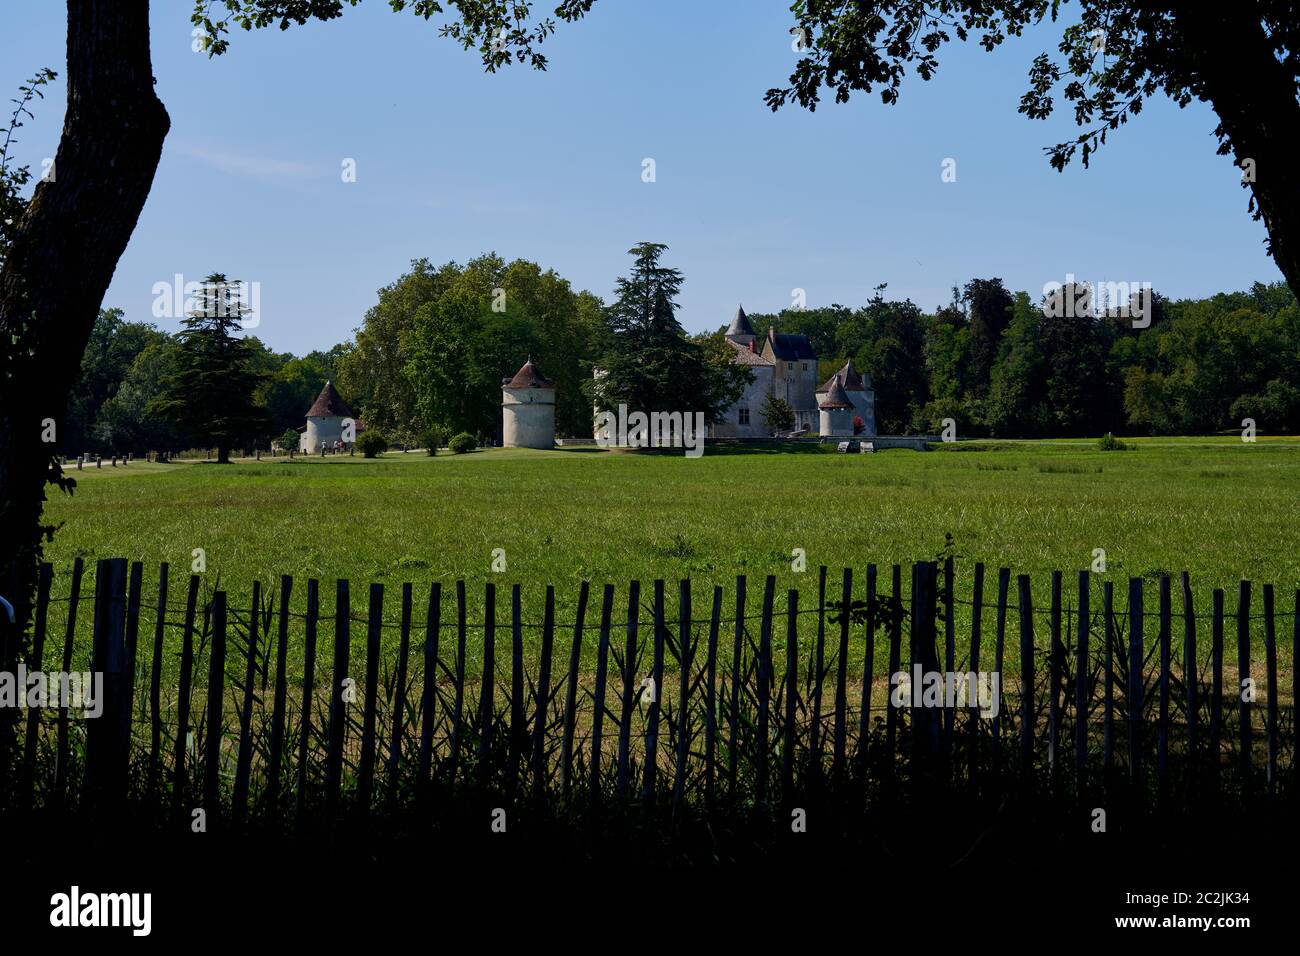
x=528, y=409
x=836, y=411
x=740, y=331
x=327, y=420
x=857, y=386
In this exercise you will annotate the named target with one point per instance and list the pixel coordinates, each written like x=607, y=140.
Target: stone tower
x=836, y=412
x=527, y=409
x=858, y=387
x=325, y=420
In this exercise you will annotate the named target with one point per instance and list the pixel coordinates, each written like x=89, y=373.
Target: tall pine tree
x=651, y=364
x=211, y=391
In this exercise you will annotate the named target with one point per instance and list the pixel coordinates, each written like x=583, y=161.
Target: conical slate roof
x=329, y=404
x=527, y=377
x=854, y=381
x=837, y=398
x=740, y=324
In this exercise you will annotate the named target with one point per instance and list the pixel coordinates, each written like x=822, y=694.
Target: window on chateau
x=744, y=415
x=803, y=367
x=789, y=366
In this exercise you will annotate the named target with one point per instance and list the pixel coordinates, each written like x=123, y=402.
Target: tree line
x=429, y=357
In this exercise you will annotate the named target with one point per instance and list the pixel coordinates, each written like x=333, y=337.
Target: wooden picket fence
x=270, y=717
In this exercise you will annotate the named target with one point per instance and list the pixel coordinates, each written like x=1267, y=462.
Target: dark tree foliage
x=211, y=393
x=1242, y=57
x=650, y=363
x=989, y=311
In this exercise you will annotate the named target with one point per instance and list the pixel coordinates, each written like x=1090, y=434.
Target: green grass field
x=1216, y=507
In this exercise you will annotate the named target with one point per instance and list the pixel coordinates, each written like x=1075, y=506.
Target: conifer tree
x=211, y=392
x=651, y=364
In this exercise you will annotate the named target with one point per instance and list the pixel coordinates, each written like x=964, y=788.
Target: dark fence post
x=487, y=693
x=949, y=651
x=308, y=688
x=458, y=701
x=280, y=699
x=215, y=702
x=1054, y=662
x=155, y=681
x=542, y=719
x=869, y=671
x=571, y=695
x=62, y=753
x=429, y=691
x=1162, y=731
x=179, y=774
x=999, y=654
x=657, y=681
x=1270, y=665
x=338, y=705
x=819, y=652
x=366, y=766
x=108, y=736
x=135, y=593
x=398, y=712
x=598, y=702
x=841, y=679
x=737, y=654
x=1190, y=677
x=1136, y=655
x=791, y=693
x=764, y=687
x=711, y=696
x=1243, y=675
x=895, y=662
x=1026, y=608
x=629, y=685
x=244, y=759
x=1216, y=689
x=518, y=732
x=45, y=575
x=1081, y=685
x=1108, y=718
x=684, y=654
x=973, y=666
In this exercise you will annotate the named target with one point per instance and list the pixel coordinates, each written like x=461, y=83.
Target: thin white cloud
x=252, y=167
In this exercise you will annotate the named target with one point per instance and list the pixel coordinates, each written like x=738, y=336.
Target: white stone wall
x=753, y=398
x=327, y=429
x=528, y=417
x=836, y=422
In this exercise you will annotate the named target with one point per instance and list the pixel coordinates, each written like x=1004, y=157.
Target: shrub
x=432, y=439
x=289, y=441
x=372, y=443
x=462, y=443
x=1109, y=442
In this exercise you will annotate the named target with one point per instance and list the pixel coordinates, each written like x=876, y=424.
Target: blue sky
x=452, y=162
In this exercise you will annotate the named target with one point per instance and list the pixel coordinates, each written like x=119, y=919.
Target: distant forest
x=431, y=353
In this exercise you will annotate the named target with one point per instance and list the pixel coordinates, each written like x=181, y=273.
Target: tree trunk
x=62, y=259
x=1254, y=97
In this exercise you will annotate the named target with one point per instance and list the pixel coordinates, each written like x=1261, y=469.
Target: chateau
x=786, y=366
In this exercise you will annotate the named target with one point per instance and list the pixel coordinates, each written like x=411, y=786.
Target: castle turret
x=740, y=331
x=836, y=411
x=528, y=409
x=858, y=388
